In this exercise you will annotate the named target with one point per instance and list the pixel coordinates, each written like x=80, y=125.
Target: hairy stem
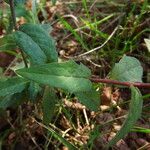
x=12, y=9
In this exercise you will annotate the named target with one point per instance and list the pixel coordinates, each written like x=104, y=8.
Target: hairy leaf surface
x=128, y=69
x=42, y=38
x=68, y=75
x=11, y=86
x=30, y=47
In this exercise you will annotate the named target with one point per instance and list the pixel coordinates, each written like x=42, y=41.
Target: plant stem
x=12, y=8
x=109, y=81
x=13, y=15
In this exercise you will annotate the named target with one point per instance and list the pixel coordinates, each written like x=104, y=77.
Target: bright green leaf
x=90, y=99
x=68, y=75
x=128, y=69
x=42, y=38
x=11, y=86
x=31, y=48
x=133, y=115
x=49, y=102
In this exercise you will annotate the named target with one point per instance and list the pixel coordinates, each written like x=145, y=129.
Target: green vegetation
x=55, y=94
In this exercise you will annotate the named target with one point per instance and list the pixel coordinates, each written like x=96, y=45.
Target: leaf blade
x=44, y=40
x=128, y=69
x=133, y=115
x=90, y=99
x=31, y=48
x=67, y=75
x=12, y=86
x=48, y=104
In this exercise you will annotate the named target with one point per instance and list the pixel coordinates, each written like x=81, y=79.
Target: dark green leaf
x=34, y=89
x=54, y=2
x=12, y=85
x=91, y=99
x=46, y=27
x=42, y=38
x=11, y=100
x=67, y=75
x=21, y=11
x=31, y=48
x=128, y=69
x=49, y=102
x=134, y=114
x=17, y=2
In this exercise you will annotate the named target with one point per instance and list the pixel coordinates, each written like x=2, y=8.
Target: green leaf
x=17, y=2
x=147, y=41
x=128, y=69
x=11, y=100
x=34, y=89
x=133, y=115
x=12, y=85
x=91, y=99
x=54, y=2
x=47, y=27
x=31, y=48
x=21, y=11
x=42, y=38
x=49, y=102
x=7, y=43
x=68, y=75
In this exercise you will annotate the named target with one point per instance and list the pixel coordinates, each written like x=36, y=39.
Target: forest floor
x=79, y=26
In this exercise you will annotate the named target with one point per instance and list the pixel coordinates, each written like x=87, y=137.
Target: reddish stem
x=109, y=81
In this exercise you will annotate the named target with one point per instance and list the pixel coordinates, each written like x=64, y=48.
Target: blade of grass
x=78, y=38
x=58, y=137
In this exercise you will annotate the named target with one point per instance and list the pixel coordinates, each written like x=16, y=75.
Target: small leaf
x=42, y=38
x=90, y=99
x=134, y=114
x=128, y=69
x=31, y=48
x=147, y=41
x=68, y=75
x=12, y=85
x=49, y=102
x=7, y=43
